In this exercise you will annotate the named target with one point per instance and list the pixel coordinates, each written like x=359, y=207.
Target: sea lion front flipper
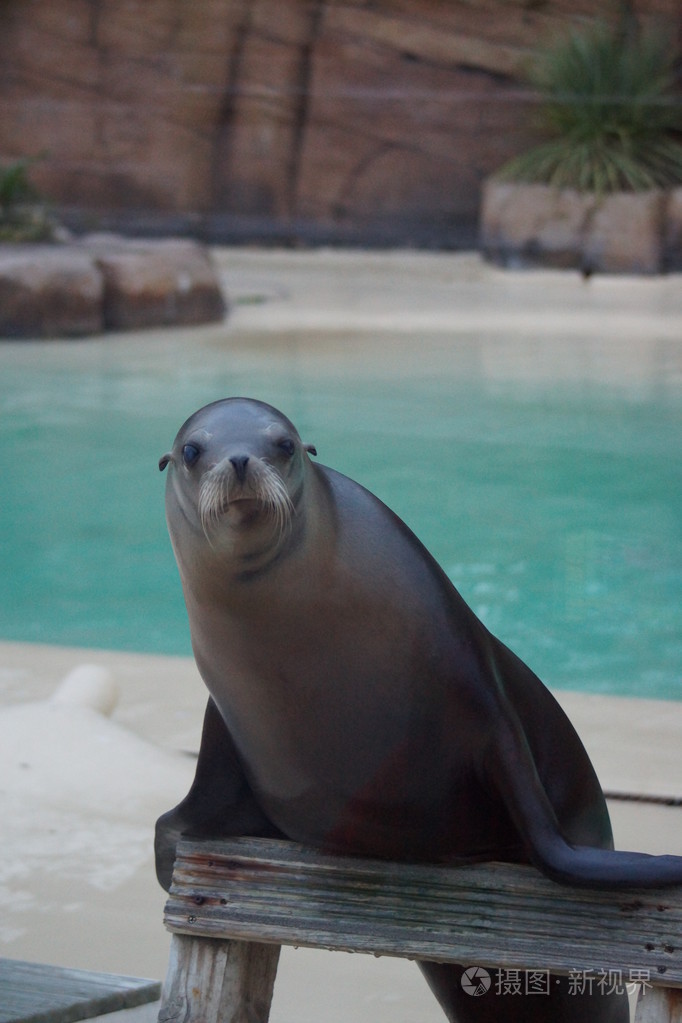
x=219, y=803
x=512, y=770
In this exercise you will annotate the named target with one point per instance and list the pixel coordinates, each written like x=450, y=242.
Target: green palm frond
x=15, y=186
x=609, y=114
x=23, y=217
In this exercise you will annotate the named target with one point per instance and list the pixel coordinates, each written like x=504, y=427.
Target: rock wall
x=369, y=120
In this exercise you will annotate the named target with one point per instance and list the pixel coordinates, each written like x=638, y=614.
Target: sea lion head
x=237, y=466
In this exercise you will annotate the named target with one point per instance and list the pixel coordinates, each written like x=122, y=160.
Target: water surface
x=544, y=475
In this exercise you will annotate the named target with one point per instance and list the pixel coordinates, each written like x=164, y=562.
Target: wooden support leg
x=213, y=980
x=660, y=1005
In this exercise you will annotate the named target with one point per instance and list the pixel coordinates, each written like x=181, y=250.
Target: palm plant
x=22, y=217
x=15, y=187
x=609, y=113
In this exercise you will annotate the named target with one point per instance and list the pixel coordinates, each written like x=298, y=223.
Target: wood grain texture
x=36, y=993
x=225, y=981
x=660, y=1005
x=495, y=915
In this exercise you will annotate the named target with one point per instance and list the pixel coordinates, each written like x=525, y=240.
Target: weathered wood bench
x=38, y=993
x=233, y=904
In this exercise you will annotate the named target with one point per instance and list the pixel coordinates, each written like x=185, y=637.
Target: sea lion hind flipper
x=512, y=771
x=219, y=802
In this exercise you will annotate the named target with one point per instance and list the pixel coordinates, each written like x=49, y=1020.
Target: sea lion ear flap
x=164, y=460
x=310, y=448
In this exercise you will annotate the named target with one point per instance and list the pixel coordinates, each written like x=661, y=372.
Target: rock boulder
x=106, y=282
x=49, y=291
x=155, y=283
x=673, y=231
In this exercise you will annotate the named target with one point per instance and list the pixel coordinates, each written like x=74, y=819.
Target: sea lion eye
x=190, y=454
x=287, y=447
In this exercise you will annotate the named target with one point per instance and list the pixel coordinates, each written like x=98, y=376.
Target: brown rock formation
x=291, y=118
x=45, y=292
x=105, y=282
x=155, y=283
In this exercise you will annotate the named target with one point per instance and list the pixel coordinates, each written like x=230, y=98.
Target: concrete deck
x=76, y=876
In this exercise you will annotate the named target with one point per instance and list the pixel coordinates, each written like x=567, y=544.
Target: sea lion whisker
x=272, y=491
x=266, y=486
x=213, y=497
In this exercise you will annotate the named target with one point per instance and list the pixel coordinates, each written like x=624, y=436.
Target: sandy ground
x=80, y=789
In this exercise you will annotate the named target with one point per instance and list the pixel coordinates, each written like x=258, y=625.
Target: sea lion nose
x=240, y=463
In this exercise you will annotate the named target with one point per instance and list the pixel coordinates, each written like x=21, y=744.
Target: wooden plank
x=660, y=1005
x=37, y=993
x=225, y=981
x=494, y=915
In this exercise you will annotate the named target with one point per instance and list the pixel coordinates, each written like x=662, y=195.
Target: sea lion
x=356, y=702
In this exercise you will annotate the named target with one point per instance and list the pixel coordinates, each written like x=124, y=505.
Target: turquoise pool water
x=551, y=497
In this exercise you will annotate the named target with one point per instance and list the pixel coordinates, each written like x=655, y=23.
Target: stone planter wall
x=537, y=225
x=104, y=282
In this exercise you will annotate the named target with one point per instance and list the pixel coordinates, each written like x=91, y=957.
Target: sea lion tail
x=516, y=779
